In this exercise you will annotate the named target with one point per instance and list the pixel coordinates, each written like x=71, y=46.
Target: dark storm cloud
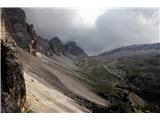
x=50, y=22
x=114, y=28
x=124, y=27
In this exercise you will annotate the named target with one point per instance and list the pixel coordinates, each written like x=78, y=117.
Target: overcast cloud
x=114, y=28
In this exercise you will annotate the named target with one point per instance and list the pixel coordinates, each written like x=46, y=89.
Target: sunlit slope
x=59, y=76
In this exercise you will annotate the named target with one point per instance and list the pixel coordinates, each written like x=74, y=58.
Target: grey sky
x=109, y=29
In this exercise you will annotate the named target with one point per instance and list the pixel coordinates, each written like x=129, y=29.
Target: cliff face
x=13, y=89
x=13, y=85
x=24, y=33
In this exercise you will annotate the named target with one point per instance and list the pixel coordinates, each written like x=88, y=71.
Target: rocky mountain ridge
x=26, y=37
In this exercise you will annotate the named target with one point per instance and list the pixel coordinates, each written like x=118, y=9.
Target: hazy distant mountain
x=133, y=50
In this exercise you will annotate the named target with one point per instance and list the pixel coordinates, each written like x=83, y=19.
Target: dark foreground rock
x=13, y=90
x=12, y=84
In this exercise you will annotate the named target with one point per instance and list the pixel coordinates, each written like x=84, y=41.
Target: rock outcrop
x=23, y=33
x=13, y=84
x=57, y=46
x=74, y=49
x=13, y=88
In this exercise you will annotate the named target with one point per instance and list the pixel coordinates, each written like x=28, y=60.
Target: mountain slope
x=133, y=50
x=51, y=75
x=45, y=98
x=127, y=70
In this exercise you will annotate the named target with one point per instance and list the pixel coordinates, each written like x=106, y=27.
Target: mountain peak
x=57, y=45
x=74, y=49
